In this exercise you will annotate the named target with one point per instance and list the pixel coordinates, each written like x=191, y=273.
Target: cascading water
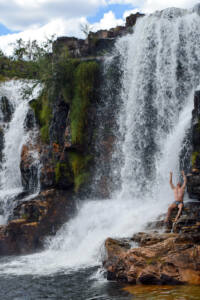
x=15, y=135
x=160, y=62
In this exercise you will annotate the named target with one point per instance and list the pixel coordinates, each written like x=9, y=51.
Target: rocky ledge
x=170, y=256
x=96, y=43
x=33, y=220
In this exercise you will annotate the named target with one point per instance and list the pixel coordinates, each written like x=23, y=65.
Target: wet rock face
x=6, y=108
x=58, y=124
x=193, y=186
x=158, y=258
x=29, y=167
x=1, y=143
x=29, y=120
x=33, y=220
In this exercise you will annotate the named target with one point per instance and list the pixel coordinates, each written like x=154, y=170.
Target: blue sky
x=39, y=19
x=117, y=9
x=4, y=30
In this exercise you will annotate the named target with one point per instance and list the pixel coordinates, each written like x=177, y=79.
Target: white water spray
x=161, y=67
x=15, y=136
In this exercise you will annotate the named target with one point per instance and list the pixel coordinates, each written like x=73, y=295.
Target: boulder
x=163, y=259
x=35, y=219
x=157, y=257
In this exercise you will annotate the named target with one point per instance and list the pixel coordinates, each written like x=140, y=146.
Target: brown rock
x=131, y=20
x=35, y=219
x=162, y=259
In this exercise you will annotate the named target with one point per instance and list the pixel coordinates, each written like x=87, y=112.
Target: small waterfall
x=15, y=136
x=160, y=63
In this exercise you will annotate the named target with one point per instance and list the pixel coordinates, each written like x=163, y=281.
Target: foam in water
x=15, y=136
x=161, y=66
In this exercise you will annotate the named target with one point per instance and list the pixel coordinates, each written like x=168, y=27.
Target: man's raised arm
x=185, y=180
x=170, y=181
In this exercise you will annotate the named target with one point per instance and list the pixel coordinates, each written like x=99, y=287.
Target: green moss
x=79, y=165
x=2, y=78
x=58, y=172
x=43, y=114
x=80, y=180
x=84, y=78
x=62, y=171
x=36, y=105
x=194, y=158
x=44, y=132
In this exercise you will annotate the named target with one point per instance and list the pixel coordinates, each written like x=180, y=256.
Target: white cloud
x=150, y=6
x=108, y=21
x=23, y=14
x=59, y=27
x=129, y=12
x=133, y=2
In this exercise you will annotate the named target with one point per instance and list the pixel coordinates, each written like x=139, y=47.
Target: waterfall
x=160, y=63
x=15, y=136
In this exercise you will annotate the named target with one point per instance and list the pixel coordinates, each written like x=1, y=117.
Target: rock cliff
x=67, y=117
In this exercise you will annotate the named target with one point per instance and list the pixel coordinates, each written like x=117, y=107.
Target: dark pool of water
x=81, y=285
x=86, y=285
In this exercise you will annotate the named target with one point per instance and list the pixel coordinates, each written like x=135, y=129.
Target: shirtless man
x=178, y=195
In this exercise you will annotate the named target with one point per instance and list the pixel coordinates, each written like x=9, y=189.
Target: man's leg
x=180, y=207
x=171, y=207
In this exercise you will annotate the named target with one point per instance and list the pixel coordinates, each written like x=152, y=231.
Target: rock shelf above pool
x=164, y=256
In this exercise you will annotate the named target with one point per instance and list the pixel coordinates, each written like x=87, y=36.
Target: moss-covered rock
x=43, y=114
x=80, y=167
x=86, y=75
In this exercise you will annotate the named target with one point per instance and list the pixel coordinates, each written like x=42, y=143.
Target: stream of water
x=15, y=136
x=160, y=63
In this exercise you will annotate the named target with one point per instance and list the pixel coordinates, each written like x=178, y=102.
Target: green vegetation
x=62, y=170
x=43, y=114
x=2, y=78
x=195, y=155
x=29, y=60
x=79, y=164
x=72, y=80
x=64, y=71
x=85, y=76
